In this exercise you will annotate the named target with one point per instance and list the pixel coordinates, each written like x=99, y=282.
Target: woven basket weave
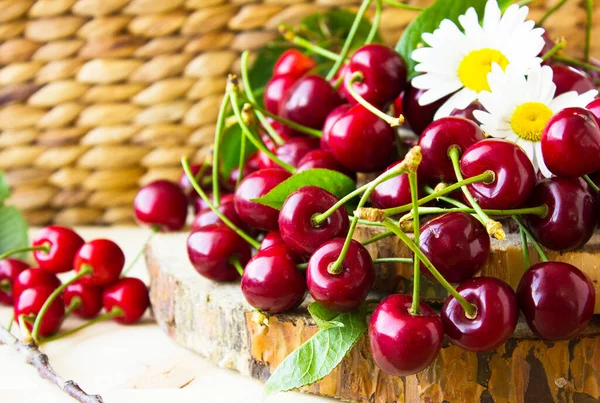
x=98, y=97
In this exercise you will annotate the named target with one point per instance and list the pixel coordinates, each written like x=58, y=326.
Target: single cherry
x=270, y=239
x=104, y=257
x=333, y=117
x=272, y=282
x=62, y=242
x=161, y=204
x=292, y=151
x=9, y=271
x=294, y=63
x=200, y=204
x=467, y=113
x=33, y=277
x=397, y=105
x=403, y=344
x=594, y=107
x=90, y=299
x=568, y=78
x=207, y=216
x=275, y=90
x=30, y=302
x=253, y=186
x=325, y=160
x=130, y=294
x=419, y=116
x=495, y=319
x=235, y=174
x=393, y=192
x=557, y=300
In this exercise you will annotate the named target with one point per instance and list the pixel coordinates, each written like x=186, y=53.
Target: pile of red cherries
x=307, y=245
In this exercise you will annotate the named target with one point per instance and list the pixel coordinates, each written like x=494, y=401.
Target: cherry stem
x=73, y=305
x=591, y=183
x=525, y=247
x=589, y=9
x=377, y=237
x=5, y=285
x=577, y=63
x=235, y=262
x=447, y=200
x=11, y=321
x=186, y=168
x=115, y=312
x=375, y=23
x=338, y=82
x=531, y=238
x=296, y=126
x=45, y=248
x=288, y=33
x=357, y=77
x=414, y=195
x=302, y=266
x=493, y=227
x=560, y=45
x=524, y=2
x=551, y=11
x=140, y=252
x=540, y=211
x=393, y=260
x=247, y=116
x=217, y=150
x=402, y=5
x=349, y=40
x=85, y=270
x=23, y=327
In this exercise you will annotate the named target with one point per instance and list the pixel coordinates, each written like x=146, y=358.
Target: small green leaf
x=323, y=317
x=13, y=230
x=4, y=188
x=333, y=26
x=319, y=356
x=332, y=181
x=262, y=68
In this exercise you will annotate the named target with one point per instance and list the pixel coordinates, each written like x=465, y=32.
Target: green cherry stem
x=591, y=183
x=576, y=63
x=530, y=237
x=551, y=11
x=235, y=261
x=377, y=237
x=217, y=149
x=560, y=45
x=137, y=257
x=589, y=10
x=44, y=248
x=298, y=127
x=525, y=248
x=375, y=23
x=414, y=195
x=393, y=260
x=73, y=305
x=429, y=190
x=186, y=168
x=357, y=77
x=11, y=321
x=114, y=313
x=540, y=211
x=403, y=6
x=23, y=327
x=288, y=33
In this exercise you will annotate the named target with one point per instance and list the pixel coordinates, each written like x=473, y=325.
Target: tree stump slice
x=215, y=321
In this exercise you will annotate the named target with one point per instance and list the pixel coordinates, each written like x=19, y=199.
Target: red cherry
x=292, y=151
x=438, y=138
x=255, y=185
x=30, y=302
x=34, y=277
x=275, y=91
x=272, y=282
x=322, y=159
x=457, y=244
x=63, y=244
x=514, y=175
x=205, y=181
x=361, y=141
x=594, y=107
x=494, y=322
x=211, y=248
x=571, y=143
x=568, y=79
x=557, y=300
x=235, y=173
x=270, y=239
x=333, y=117
x=417, y=116
x=572, y=213
x=393, y=192
x=161, y=204
x=346, y=291
x=9, y=271
x=105, y=258
x=467, y=113
x=208, y=217
x=384, y=74
x=293, y=62
x=397, y=105
x=90, y=298
x=200, y=204
x=130, y=295
x=403, y=344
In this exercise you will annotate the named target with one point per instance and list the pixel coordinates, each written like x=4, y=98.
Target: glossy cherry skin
x=403, y=344
x=572, y=213
x=161, y=204
x=309, y=101
x=325, y=160
x=437, y=139
x=417, y=116
x=514, y=173
x=397, y=105
x=106, y=259
x=34, y=277
x=200, y=204
x=131, y=295
x=272, y=282
x=295, y=219
x=557, y=300
x=457, y=244
x=235, y=173
x=63, y=244
x=393, y=192
x=467, y=113
x=594, y=107
x=496, y=318
x=294, y=63
x=208, y=217
x=333, y=117
x=211, y=248
x=346, y=291
x=270, y=239
x=30, y=302
x=275, y=91
x=90, y=297
x=292, y=151
x=571, y=143
x=255, y=185
x=9, y=271
x=384, y=74
x=361, y=141
x=568, y=78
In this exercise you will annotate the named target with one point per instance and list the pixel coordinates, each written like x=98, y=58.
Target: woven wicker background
x=98, y=97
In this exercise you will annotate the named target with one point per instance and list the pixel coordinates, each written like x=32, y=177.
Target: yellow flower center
x=529, y=120
x=475, y=66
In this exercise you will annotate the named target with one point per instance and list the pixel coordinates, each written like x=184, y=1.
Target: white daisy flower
x=518, y=108
x=458, y=62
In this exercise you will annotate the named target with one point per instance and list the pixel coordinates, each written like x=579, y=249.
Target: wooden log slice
x=215, y=321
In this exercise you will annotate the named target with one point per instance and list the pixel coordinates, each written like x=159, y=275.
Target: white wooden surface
x=136, y=363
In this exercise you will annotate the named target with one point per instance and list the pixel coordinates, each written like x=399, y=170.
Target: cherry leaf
x=13, y=230
x=323, y=317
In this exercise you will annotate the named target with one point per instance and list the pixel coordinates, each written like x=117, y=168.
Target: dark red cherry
x=130, y=295
x=34, y=277
x=295, y=219
x=568, y=78
x=9, y=271
x=323, y=159
x=495, y=319
x=200, y=204
x=309, y=101
x=417, y=116
x=594, y=107
x=204, y=180
x=208, y=217
x=275, y=91
x=272, y=282
x=557, y=300
x=571, y=143
x=333, y=117
x=346, y=291
x=235, y=173
x=291, y=152
x=514, y=175
x=105, y=258
x=457, y=244
x=255, y=185
x=90, y=298
x=438, y=138
x=467, y=113
x=211, y=248
x=397, y=105
x=30, y=302
x=361, y=141
x=572, y=213
x=403, y=344
x=161, y=204
x=293, y=62
x=393, y=192
x=384, y=74
x=270, y=239
x=63, y=244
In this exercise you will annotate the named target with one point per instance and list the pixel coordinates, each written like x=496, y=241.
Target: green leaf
x=4, y=188
x=323, y=317
x=13, y=230
x=332, y=181
x=230, y=149
x=332, y=27
x=262, y=68
x=429, y=20
x=319, y=356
